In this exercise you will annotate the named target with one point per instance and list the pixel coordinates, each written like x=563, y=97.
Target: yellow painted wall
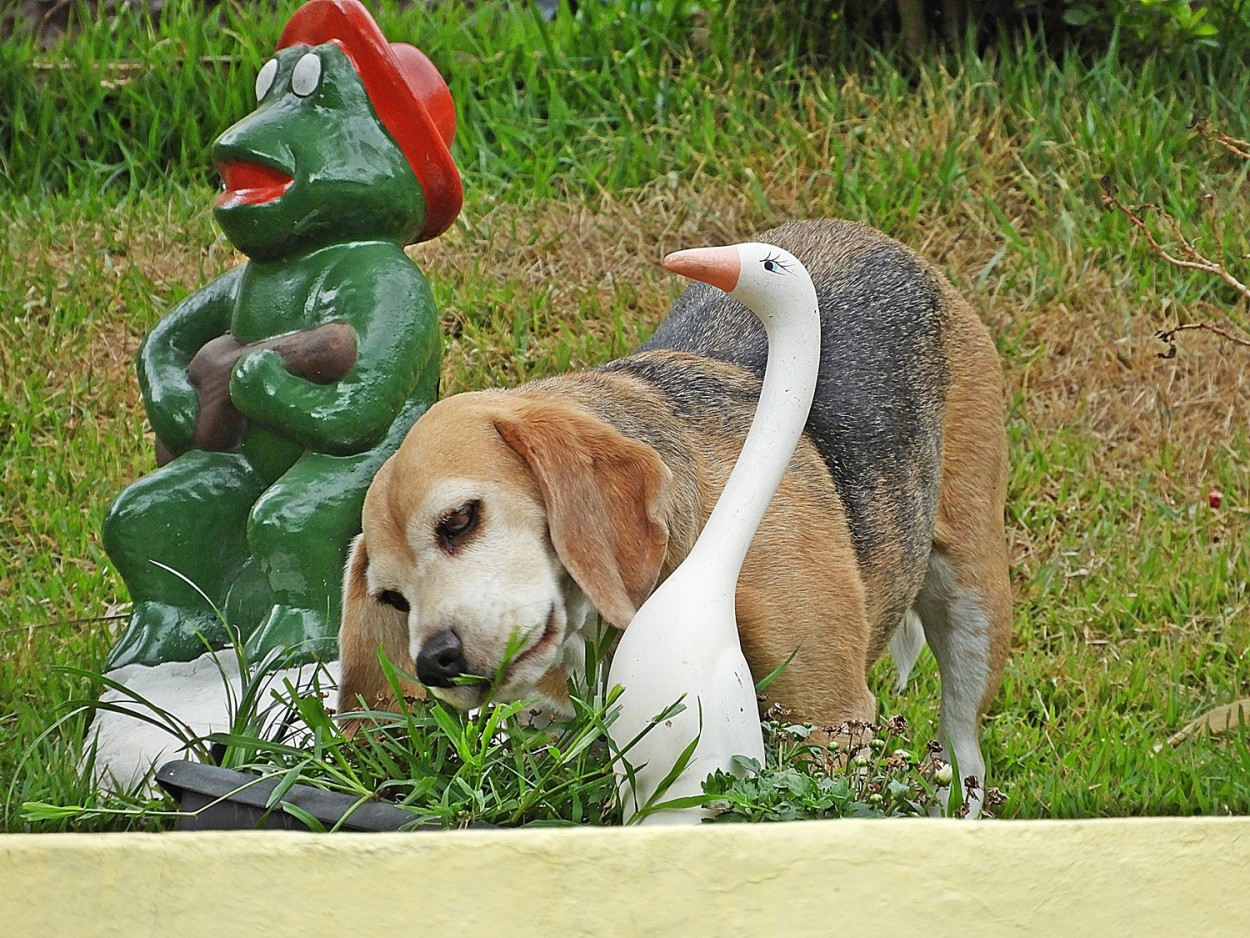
x=930, y=878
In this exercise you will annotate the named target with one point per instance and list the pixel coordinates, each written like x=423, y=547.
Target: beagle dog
x=507, y=519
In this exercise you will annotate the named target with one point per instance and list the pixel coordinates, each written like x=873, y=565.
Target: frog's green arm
x=388, y=303
x=170, y=399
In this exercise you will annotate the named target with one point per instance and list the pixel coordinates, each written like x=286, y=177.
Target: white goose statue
x=689, y=623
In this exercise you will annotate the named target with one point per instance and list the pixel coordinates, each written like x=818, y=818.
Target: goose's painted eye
x=264, y=78
x=306, y=75
x=774, y=265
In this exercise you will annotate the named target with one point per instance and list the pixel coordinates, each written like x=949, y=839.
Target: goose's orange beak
x=720, y=267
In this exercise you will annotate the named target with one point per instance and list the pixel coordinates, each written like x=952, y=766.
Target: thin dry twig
x=1232, y=144
x=1169, y=336
x=1186, y=255
x=1191, y=258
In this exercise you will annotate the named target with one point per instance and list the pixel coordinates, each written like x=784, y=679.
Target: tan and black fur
x=520, y=512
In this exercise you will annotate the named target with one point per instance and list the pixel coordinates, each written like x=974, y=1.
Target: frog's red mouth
x=250, y=183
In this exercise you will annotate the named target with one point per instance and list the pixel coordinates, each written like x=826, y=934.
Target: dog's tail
x=905, y=647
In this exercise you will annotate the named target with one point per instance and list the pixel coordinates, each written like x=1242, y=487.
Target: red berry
x=1215, y=498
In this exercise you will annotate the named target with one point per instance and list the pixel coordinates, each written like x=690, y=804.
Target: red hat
x=405, y=89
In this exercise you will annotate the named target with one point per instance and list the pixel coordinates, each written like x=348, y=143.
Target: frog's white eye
x=306, y=75
x=264, y=78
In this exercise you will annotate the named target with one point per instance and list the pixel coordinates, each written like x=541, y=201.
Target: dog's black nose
x=441, y=659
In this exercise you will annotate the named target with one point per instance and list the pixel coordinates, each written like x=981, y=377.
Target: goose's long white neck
x=785, y=302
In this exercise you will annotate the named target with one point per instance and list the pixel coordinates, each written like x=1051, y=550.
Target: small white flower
x=943, y=774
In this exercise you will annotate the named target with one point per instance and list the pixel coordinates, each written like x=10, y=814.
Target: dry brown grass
x=1086, y=360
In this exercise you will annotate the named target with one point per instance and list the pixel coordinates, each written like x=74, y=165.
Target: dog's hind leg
x=965, y=602
x=966, y=629
x=810, y=615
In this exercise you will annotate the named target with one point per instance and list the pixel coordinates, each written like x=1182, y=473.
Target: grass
x=589, y=149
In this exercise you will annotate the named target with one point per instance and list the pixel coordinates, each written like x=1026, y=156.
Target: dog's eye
x=393, y=599
x=457, y=524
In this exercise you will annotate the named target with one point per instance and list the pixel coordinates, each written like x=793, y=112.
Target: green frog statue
x=279, y=389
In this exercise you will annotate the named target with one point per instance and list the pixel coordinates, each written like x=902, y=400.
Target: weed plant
x=591, y=146
x=860, y=770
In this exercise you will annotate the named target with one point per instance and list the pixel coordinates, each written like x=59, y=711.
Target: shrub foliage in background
x=131, y=92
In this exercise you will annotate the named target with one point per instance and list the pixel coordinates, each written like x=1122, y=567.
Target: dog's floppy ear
x=367, y=624
x=606, y=497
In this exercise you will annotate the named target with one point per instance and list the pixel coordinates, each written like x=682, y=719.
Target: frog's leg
x=299, y=532
x=191, y=517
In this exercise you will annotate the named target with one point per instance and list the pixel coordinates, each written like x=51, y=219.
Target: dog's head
x=487, y=538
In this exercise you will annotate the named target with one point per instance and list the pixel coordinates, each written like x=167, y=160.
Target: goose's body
x=683, y=642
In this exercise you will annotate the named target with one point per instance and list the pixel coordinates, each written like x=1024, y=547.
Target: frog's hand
x=322, y=355
x=169, y=397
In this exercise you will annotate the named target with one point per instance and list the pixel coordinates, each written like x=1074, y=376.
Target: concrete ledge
x=1154, y=876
